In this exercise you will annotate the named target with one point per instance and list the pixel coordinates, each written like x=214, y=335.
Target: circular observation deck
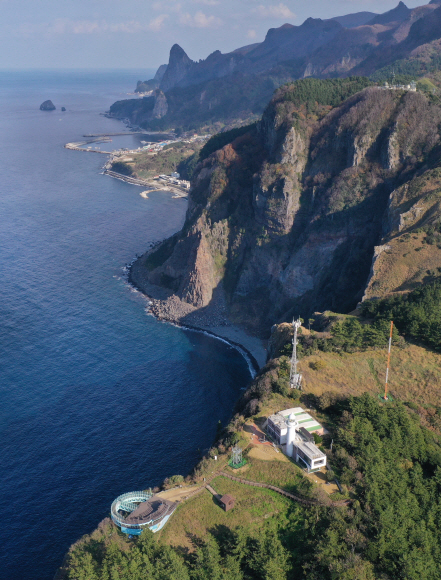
x=125, y=505
x=137, y=510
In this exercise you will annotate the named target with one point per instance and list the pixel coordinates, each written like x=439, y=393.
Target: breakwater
x=152, y=184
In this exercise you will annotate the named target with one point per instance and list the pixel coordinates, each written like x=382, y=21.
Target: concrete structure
x=179, y=182
x=137, y=510
x=306, y=435
x=227, y=502
x=277, y=427
x=308, y=455
x=393, y=87
x=292, y=426
x=292, y=429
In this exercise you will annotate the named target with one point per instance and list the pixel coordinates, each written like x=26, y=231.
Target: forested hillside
x=391, y=466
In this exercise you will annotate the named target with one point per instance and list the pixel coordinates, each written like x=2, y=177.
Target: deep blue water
x=96, y=397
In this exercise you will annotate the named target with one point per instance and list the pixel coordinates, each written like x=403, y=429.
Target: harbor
x=171, y=183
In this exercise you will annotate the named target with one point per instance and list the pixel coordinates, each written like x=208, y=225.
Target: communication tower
x=295, y=379
x=386, y=397
x=237, y=455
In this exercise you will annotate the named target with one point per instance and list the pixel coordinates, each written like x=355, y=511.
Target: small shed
x=227, y=502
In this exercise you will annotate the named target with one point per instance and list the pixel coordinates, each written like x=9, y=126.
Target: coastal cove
x=97, y=398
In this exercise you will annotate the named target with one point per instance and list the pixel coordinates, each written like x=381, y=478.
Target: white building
x=293, y=429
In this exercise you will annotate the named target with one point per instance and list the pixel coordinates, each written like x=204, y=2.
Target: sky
x=139, y=33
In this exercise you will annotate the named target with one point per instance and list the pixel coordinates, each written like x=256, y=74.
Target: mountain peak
x=311, y=21
x=397, y=14
x=178, y=65
x=177, y=52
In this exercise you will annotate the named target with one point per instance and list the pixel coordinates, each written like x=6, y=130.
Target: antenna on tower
x=385, y=398
x=295, y=379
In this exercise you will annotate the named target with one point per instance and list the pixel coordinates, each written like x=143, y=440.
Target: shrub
x=317, y=365
x=330, y=475
x=317, y=439
x=173, y=480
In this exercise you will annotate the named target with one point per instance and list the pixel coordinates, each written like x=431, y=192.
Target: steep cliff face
x=286, y=219
x=141, y=111
x=179, y=65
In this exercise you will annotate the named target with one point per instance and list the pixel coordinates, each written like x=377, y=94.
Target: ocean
x=97, y=398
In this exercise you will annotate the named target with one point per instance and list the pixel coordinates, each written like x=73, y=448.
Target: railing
x=121, y=503
x=134, y=496
x=284, y=492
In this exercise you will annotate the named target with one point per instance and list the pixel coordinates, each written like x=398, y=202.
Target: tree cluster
x=221, y=139
x=392, y=529
x=330, y=92
x=224, y=555
x=417, y=314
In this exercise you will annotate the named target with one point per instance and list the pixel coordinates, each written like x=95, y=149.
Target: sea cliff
x=286, y=218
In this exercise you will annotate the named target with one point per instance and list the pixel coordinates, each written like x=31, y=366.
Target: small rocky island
x=47, y=106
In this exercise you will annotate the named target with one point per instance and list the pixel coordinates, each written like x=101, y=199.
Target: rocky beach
x=213, y=319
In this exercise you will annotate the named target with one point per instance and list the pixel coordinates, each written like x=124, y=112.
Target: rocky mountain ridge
x=227, y=88
x=288, y=218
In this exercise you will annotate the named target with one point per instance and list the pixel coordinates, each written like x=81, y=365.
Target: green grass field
x=202, y=514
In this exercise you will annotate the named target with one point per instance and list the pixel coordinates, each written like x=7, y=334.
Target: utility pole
x=295, y=379
x=388, y=360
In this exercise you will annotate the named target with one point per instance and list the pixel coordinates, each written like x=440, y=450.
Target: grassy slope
x=406, y=260
x=415, y=374
x=201, y=514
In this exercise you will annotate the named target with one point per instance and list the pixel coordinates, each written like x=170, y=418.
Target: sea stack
x=63, y=108
x=47, y=106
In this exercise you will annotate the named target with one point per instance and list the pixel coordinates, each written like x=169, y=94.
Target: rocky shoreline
x=213, y=320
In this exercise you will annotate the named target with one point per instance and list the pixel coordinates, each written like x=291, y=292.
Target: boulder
x=47, y=106
x=62, y=108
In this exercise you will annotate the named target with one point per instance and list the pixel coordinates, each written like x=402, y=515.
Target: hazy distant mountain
x=356, y=19
x=235, y=86
x=397, y=14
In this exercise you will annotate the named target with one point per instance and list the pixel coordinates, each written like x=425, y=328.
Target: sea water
x=97, y=398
